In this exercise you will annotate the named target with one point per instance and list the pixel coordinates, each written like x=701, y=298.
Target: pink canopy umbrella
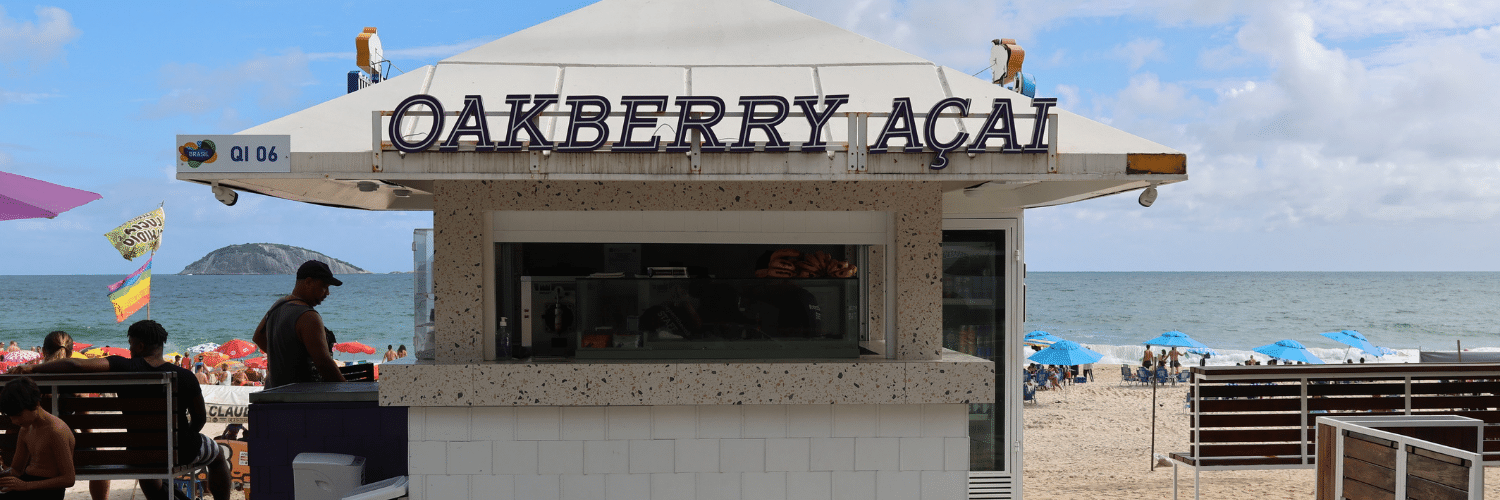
x=22, y=197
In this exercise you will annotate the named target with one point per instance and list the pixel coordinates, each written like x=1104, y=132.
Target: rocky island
x=263, y=258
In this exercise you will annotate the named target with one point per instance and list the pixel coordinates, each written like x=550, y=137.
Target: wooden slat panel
x=121, y=470
x=1360, y=389
x=1251, y=435
x=1371, y=474
x=1249, y=450
x=1437, y=471
x=1355, y=490
x=1248, y=391
x=120, y=439
x=1454, y=402
x=1370, y=452
x=1326, y=473
x=122, y=457
x=109, y=421
x=114, y=404
x=1248, y=405
x=1248, y=420
x=1462, y=370
x=1227, y=462
x=1417, y=487
x=1355, y=403
x=1455, y=387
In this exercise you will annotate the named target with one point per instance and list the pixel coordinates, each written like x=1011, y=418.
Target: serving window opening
x=683, y=300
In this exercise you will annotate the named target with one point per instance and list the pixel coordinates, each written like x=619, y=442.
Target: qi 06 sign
x=234, y=153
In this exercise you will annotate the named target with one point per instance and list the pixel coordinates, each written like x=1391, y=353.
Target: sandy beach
x=1093, y=440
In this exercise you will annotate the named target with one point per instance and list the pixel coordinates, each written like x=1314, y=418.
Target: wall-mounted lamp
x=1148, y=196
x=225, y=195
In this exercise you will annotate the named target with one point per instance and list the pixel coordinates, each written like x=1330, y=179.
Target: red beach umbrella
x=237, y=348
x=80, y=346
x=213, y=358
x=116, y=351
x=256, y=362
x=353, y=348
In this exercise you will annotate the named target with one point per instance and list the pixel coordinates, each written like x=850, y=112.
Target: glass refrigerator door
x=973, y=323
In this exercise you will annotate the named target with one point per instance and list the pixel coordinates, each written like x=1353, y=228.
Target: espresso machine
x=549, y=308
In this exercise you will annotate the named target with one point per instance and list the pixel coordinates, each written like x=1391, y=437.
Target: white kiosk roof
x=728, y=49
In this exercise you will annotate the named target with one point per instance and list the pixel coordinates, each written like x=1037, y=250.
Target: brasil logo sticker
x=197, y=153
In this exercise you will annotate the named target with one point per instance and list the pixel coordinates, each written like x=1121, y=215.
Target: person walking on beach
x=1147, y=359
x=1175, y=361
x=401, y=351
x=390, y=353
x=193, y=448
x=292, y=332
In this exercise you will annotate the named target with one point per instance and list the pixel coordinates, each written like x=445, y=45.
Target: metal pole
x=1153, y=420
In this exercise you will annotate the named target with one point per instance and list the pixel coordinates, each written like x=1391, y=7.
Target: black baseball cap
x=317, y=269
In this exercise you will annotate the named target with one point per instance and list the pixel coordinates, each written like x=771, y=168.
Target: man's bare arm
x=69, y=365
x=260, y=336
x=310, y=331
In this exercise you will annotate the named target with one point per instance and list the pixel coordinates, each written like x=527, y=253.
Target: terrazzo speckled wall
x=458, y=220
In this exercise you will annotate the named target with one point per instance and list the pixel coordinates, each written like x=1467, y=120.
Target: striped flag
x=132, y=293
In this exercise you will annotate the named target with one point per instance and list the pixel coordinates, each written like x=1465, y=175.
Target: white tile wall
x=496, y=487
x=763, y=485
x=742, y=455
x=757, y=452
x=809, y=485
x=832, y=454
x=788, y=454
x=583, y=487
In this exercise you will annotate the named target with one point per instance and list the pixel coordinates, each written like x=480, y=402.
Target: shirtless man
x=43, y=465
x=390, y=352
x=1147, y=360
x=1174, y=361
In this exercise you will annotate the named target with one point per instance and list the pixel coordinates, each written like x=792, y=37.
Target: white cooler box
x=332, y=476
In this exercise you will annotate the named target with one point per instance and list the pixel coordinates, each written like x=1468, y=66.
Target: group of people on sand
x=41, y=467
x=1167, y=359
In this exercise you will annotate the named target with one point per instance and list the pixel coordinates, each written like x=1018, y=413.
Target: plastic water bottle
x=502, y=341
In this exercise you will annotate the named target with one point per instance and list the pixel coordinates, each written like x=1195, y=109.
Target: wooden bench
x=105, y=425
x=1263, y=417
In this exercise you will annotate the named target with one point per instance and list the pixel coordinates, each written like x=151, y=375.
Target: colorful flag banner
x=139, y=235
x=132, y=293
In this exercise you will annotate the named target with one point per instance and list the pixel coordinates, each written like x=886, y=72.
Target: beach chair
x=1126, y=376
x=1162, y=377
x=1143, y=375
x=1028, y=392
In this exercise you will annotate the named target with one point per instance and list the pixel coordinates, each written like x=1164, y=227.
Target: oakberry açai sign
x=701, y=114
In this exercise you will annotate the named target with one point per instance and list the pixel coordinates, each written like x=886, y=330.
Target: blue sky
x=1322, y=136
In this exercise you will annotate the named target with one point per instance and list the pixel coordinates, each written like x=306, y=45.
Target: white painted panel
x=809, y=485
x=538, y=487
x=537, y=423
x=629, y=422
x=900, y=420
x=788, y=454
x=854, y=420
x=944, y=485
x=897, y=485
x=673, y=422
x=853, y=485
x=945, y=420
x=765, y=421
x=809, y=420
x=832, y=454
x=740, y=227
x=606, y=457
x=674, y=486
x=583, y=422
x=719, y=486
x=627, y=486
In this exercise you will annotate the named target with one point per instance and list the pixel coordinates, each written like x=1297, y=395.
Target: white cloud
x=273, y=82
x=410, y=57
x=36, y=42
x=1140, y=50
x=12, y=97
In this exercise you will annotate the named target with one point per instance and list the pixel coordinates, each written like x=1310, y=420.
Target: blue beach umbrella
x=1203, y=350
x=1175, y=338
x=1065, y=352
x=1041, y=338
x=1289, y=350
x=1355, y=339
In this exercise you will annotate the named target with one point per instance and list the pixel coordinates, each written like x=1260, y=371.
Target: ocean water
x=1234, y=312
x=375, y=309
x=1109, y=312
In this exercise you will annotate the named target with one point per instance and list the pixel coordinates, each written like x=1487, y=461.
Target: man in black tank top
x=292, y=333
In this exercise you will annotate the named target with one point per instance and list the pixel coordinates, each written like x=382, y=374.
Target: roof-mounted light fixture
x=1149, y=195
